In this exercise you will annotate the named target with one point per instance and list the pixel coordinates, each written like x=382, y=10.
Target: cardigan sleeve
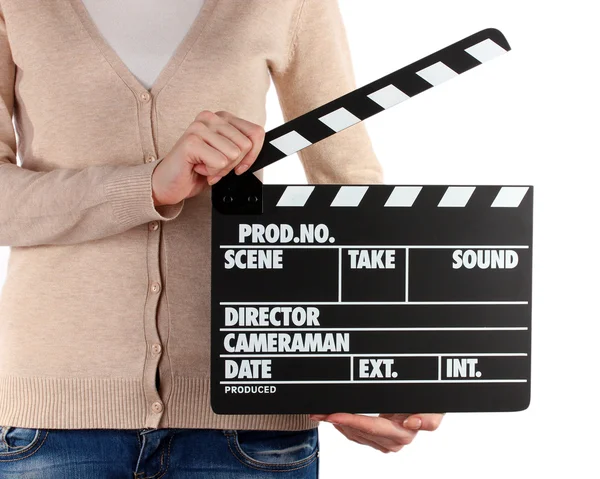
x=319, y=69
x=66, y=206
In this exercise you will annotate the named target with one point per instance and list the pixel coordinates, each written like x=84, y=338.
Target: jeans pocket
x=18, y=443
x=274, y=450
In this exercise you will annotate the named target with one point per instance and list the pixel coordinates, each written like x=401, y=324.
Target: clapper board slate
x=371, y=298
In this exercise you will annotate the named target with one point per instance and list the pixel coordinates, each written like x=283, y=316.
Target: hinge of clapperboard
x=242, y=194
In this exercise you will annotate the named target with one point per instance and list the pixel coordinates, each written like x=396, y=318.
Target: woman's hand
x=386, y=433
x=213, y=145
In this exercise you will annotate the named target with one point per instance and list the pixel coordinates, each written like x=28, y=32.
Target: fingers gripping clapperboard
x=371, y=298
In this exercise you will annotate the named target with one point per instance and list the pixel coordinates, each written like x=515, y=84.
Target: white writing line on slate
x=348, y=381
x=252, y=328
x=384, y=355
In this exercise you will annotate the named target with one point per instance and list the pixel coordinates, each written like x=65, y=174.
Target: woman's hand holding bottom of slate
x=212, y=146
x=386, y=433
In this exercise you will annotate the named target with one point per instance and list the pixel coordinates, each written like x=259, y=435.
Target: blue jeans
x=157, y=453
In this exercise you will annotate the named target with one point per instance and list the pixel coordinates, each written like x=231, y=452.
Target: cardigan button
x=156, y=348
x=144, y=96
x=150, y=158
x=155, y=287
x=153, y=225
x=157, y=406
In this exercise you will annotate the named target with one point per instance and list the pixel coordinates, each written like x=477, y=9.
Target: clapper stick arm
x=242, y=194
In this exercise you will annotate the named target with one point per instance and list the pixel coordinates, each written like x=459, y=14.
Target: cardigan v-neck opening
x=119, y=66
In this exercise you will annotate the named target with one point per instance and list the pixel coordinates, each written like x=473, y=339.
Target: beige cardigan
x=104, y=291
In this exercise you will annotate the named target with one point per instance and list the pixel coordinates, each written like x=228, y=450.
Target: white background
x=527, y=117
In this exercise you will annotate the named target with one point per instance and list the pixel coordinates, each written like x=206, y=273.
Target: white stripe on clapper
x=510, y=196
x=349, y=196
x=485, y=50
x=339, y=119
x=295, y=196
x=403, y=196
x=437, y=73
x=388, y=96
x=456, y=196
x=290, y=142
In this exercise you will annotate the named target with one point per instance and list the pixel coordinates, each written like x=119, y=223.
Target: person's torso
x=77, y=107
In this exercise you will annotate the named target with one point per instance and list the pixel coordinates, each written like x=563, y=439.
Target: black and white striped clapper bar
x=371, y=298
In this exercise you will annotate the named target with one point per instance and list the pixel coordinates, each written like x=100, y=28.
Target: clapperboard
x=371, y=298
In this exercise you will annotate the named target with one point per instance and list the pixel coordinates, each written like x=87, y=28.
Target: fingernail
x=214, y=180
x=412, y=423
x=241, y=168
x=317, y=417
